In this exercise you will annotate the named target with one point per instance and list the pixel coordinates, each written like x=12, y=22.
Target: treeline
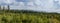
x=28, y=11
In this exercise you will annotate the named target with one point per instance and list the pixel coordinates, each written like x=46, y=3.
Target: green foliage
x=27, y=17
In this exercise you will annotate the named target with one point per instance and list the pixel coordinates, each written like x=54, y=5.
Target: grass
x=29, y=17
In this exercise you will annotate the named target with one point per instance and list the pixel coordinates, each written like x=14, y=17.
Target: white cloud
x=42, y=5
x=7, y=1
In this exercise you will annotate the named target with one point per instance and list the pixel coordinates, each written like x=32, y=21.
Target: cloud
x=6, y=2
x=36, y=5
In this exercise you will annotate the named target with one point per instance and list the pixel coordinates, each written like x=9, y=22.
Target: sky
x=35, y=5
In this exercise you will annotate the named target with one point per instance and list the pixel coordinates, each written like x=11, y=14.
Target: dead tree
x=3, y=8
x=0, y=7
x=8, y=8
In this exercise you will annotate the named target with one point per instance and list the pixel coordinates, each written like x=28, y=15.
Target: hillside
x=24, y=16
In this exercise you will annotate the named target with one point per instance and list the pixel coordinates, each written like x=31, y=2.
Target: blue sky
x=36, y=5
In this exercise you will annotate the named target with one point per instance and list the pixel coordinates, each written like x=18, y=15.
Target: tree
x=8, y=8
x=3, y=8
x=0, y=7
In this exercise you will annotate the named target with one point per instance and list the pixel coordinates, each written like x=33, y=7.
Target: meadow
x=28, y=17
